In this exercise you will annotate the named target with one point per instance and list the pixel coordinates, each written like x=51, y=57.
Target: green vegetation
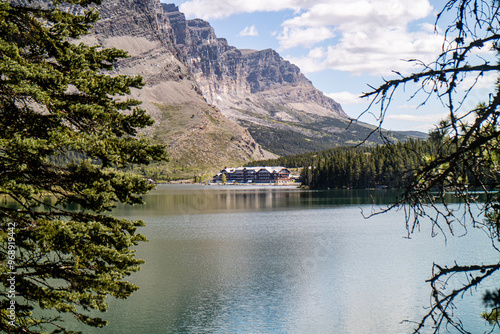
x=306, y=159
x=63, y=138
x=285, y=141
x=390, y=165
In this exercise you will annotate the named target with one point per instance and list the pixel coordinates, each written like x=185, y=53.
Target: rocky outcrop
x=257, y=88
x=196, y=134
x=217, y=67
x=212, y=102
x=267, y=70
x=281, y=82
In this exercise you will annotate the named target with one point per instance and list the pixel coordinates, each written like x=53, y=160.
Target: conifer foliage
x=390, y=165
x=57, y=100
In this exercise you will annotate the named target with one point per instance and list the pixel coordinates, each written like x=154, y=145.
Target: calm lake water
x=243, y=259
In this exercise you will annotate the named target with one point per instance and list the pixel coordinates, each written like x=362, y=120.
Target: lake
x=248, y=259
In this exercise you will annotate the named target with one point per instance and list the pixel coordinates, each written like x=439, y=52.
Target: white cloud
x=414, y=121
x=376, y=53
x=408, y=106
x=374, y=35
x=380, y=52
x=362, y=13
x=312, y=62
x=317, y=53
x=210, y=9
x=249, y=31
x=486, y=81
x=292, y=37
x=418, y=118
x=346, y=98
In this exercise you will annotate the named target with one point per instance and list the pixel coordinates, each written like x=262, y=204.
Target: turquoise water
x=229, y=259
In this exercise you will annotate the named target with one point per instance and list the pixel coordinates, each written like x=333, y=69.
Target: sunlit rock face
x=232, y=78
x=261, y=91
x=195, y=132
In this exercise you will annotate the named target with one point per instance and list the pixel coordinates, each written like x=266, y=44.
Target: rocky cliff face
x=197, y=134
x=185, y=65
x=214, y=104
x=217, y=67
x=261, y=91
x=224, y=72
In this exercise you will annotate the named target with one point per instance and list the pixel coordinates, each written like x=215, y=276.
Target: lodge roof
x=255, y=169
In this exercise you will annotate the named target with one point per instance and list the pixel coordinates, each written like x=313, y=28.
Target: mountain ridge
x=197, y=135
x=223, y=71
x=265, y=93
x=215, y=105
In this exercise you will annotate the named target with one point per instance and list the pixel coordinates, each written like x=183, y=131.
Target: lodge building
x=254, y=175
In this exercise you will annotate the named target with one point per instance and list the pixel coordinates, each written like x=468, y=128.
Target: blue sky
x=342, y=46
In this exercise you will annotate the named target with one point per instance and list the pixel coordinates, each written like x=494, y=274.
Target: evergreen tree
x=391, y=165
x=58, y=103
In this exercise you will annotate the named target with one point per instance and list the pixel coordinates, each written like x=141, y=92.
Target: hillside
x=215, y=105
x=197, y=135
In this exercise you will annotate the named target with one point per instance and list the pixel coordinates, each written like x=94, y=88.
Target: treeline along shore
x=357, y=167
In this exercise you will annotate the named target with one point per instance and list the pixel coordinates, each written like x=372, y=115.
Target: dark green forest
x=390, y=165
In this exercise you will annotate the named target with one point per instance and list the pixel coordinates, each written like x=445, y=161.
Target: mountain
x=266, y=94
x=215, y=105
x=198, y=136
x=252, y=80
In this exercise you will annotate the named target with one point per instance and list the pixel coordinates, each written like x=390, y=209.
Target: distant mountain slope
x=198, y=136
x=265, y=93
x=215, y=105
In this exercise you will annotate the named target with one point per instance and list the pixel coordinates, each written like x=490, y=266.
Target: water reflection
x=322, y=270
x=281, y=260
x=192, y=199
